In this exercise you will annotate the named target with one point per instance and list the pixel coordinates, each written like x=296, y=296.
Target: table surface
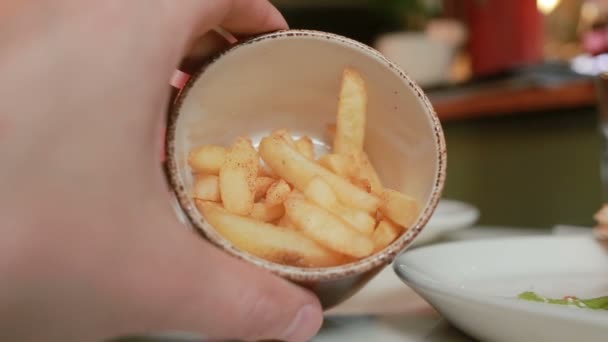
x=387, y=310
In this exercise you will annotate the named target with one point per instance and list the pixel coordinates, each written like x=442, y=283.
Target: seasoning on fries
x=286, y=205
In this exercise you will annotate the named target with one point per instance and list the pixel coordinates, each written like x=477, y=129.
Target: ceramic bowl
x=475, y=286
x=290, y=79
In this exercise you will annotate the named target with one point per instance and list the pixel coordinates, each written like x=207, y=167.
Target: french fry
x=207, y=188
x=339, y=164
x=297, y=170
x=207, y=159
x=285, y=222
x=362, y=183
x=261, y=186
x=292, y=209
x=284, y=134
x=365, y=170
x=356, y=169
x=352, y=107
x=268, y=241
x=265, y=171
x=321, y=194
x=277, y=192
x=385, y=233
x=305, y=146
x=237, y=177
x=327, y=229
x=399, y=208
x=265, y=212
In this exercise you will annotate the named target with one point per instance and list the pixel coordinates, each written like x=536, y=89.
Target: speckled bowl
x=291, y=79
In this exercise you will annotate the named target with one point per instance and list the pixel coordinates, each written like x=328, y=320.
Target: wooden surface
x=502, y=100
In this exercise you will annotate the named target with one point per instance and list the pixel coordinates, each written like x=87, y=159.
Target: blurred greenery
x=533, y=170
x=362, y=20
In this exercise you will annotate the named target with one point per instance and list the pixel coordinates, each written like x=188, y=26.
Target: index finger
x=239, y=17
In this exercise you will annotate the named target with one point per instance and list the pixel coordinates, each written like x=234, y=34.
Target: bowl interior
x=291, y=80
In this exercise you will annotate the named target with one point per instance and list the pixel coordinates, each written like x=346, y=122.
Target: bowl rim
x=302, y=274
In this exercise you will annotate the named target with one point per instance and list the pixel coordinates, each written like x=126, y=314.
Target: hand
x=90, y=246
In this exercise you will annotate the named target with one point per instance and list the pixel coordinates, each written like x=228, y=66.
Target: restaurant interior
x=515, y=84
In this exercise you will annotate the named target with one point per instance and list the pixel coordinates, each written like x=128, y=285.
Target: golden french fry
x=298, y=170
x=207, y=159
x=385, y=233
x=278, y=192
x=284, y=134
x=339, y=164
x=265, y=171
x=265, y=212
x=399, y=208
x=321, y=194
x=285, y=222
x=207, y=188
x=362, y=183
x=359, y=219
x=327, y=229
x=261, y=186
x=347, y=166
x=352, y=107
x=305, y=146
x=237, y=177
x=268, y=241
x=365, y=170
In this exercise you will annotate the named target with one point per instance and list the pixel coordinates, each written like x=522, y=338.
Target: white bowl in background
x=449, y=216
x=428, y=61
x=475, y=284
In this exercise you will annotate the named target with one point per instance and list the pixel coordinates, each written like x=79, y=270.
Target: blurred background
x=516, y=85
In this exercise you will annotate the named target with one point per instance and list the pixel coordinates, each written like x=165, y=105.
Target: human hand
x=90, y=246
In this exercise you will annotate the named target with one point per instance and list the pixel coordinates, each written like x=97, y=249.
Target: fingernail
x=305, y=325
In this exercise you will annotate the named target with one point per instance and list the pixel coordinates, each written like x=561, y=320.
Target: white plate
x=474, y=284
x=449, y=216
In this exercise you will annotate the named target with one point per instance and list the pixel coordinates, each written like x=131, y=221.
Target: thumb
x=186, y=284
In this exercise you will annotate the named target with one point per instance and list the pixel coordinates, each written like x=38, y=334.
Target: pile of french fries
x=290, y=207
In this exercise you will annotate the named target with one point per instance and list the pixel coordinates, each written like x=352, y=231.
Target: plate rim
x=418, y=280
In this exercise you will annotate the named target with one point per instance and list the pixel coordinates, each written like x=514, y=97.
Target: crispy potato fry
x=298, y=171
x=207, y=159
x=261, y=186
x=290, y=208
x=305, y=146
x=362, y=183
x=237, y=177
x=385, y=233
x=278, y=192
x=365, y=170
x=327, y=229
x=339, y=164
x=399, y=208
x=265, y=212
x=268, y=241
x=321, y=194
x=207, y=188
x=285, y=222
x=284, y=134
x=352, y=107
x=265, y=171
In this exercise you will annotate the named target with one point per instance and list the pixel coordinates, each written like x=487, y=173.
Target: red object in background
x=503, y=34
x=595, y=41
